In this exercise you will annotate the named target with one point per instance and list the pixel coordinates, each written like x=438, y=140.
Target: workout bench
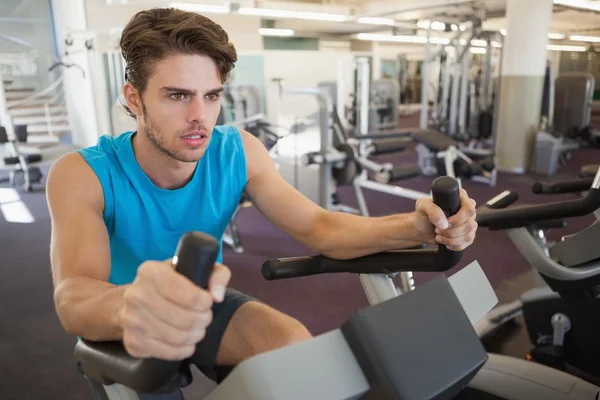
x=438, y=154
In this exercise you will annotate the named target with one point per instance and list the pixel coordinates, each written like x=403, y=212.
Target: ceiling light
x=375, y=21
x=438, y=26
x=478, y=50
x=439, y=40
x=586, y=5
x=423, y=24
x=275, y=32
x=201, y=8
x=454, y=27
x=391, y=38
x=267, y=12
x=557, y=47
x=478, y=43
x=556, y=36
x=321, y=16
x=579, y=38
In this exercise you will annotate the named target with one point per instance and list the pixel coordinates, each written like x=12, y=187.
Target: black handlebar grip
x=195, y=257
x=574, y=186
x=291, y=267
x=539, y=188
x=446, y=194
x=445, y=191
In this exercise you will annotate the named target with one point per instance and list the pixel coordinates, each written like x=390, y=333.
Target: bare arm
x=86, y=304
x=334, y=234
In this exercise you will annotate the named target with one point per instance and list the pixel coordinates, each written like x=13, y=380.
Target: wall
x=290, y=66
x=292, y=43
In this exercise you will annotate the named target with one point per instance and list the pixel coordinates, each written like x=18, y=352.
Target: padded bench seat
x=434, y=140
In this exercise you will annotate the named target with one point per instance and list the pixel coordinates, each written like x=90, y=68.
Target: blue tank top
x=145, y=222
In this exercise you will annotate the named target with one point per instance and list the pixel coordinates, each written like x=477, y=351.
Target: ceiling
x=405, y=14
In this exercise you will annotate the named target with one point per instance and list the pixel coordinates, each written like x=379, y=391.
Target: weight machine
x=242, y=107
x=464, y=108
x=374, y=104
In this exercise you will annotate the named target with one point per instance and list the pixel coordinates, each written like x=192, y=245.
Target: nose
x=196, y=110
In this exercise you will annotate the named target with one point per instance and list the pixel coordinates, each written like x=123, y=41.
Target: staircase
x=44, y=113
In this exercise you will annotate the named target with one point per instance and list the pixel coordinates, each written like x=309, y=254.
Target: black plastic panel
x=420, y=345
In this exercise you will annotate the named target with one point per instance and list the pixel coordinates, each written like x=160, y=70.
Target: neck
x=164, y=171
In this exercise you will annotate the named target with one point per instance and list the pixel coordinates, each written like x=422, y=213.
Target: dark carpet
x=37, y=355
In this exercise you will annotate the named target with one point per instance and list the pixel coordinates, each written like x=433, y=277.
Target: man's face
x=180, y=105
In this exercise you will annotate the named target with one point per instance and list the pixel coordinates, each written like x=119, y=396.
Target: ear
x=132, y=98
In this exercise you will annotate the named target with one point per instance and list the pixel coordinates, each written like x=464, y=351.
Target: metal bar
x=378, y=288
x=446, y=85
x=464, y=85
x=454, y=99
x=364, y=90
x=393, y=190
x=423, y=123
x=372, y=165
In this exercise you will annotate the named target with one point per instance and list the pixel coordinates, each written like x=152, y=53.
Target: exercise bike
x=375, y=354
x=21, y=173
x=560, y=316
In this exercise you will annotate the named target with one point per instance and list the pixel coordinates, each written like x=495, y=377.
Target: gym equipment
x=385, y=96
x=588, y=171
x=364, y=358
x=574, y=94
x=21, y=172
x=241, y=107
x=560, y=317
x=570, y=127
x=374, y=104
x=550, y=153
x=439, y=154
x=312, y=135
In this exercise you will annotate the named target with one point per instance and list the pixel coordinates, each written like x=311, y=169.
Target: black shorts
x=205, y=357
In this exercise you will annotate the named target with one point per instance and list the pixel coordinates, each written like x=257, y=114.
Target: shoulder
x=106, y=146
x=72, y=177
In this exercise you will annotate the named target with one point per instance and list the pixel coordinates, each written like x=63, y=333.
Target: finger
x=434, y=213
x=144, y=323
x=218, y=281
x=176, y=288
x=461, y=230
x=147, y=347
x=467, y=210
x=459, y=248
x=457, y=242
x=162, y=309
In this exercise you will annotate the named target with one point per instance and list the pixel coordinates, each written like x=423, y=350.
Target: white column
x=523, y=68
x=85, y=96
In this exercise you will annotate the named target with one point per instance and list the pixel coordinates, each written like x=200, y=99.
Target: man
x=119, y=208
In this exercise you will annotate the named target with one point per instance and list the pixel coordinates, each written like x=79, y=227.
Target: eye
x=213, y=97
x=178, y=96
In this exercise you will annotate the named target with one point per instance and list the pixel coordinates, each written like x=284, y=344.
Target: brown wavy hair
x=152, y=35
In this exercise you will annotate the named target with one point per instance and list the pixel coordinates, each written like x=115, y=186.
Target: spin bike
x=560, y=315
x=375, y=354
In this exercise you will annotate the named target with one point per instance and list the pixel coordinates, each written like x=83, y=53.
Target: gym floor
x=37, y=355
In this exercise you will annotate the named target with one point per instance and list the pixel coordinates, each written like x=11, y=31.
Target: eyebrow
x=190, y=92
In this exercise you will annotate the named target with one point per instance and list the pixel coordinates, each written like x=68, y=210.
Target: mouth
x=195, y=138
